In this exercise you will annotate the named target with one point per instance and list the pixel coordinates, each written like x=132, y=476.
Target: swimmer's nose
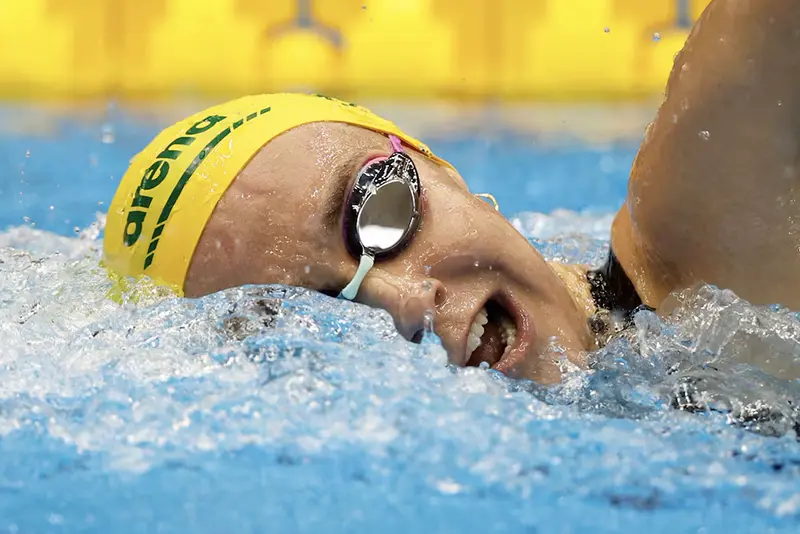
x=407, y=300
x=415, y=305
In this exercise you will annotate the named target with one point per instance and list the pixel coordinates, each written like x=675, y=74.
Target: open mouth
x=492, y=335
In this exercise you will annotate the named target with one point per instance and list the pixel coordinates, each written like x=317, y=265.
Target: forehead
x=316, y=149
x=320, y=145
x=291, y=178
x=307, y=164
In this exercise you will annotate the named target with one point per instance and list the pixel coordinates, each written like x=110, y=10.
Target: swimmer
x=314, y=192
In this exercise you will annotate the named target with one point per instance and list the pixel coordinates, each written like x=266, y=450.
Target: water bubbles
x=705, y=135
x=27, y=153
x=656, y=37
x=477, y=264
x=26, y=219
x=52, y=207
x=427, y=270
x=607, y=29
x=307, y=269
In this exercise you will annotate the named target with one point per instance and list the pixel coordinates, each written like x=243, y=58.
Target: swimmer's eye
x=382, y=211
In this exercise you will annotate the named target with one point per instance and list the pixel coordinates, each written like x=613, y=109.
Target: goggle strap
x=397, y=146
x=351, y=290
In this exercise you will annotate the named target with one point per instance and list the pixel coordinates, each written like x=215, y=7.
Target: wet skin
x=713, y=193
x=463, y=254
x=712, y=199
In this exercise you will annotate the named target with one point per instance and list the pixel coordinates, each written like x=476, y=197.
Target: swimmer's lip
x=510, y=363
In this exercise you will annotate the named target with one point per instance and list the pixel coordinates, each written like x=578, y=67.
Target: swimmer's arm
x=712, y=194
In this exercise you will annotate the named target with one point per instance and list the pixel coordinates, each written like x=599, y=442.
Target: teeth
x=508, y=332
x=476, y=331
x=473, y=342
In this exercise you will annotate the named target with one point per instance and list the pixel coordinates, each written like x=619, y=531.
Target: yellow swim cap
x=171, y=188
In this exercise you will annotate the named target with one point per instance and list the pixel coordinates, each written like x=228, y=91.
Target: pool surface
x=274, y=409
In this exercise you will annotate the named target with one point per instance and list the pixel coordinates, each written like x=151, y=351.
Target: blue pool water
x=272, y=409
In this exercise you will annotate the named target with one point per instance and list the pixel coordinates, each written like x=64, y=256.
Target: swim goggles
x=383, y=211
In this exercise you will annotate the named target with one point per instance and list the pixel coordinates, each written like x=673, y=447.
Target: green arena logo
x=155, y=174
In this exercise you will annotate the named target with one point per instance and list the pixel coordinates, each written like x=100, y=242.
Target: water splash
x=255, y=383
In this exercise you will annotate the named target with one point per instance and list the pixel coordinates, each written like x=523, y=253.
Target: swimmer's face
x=281, y=222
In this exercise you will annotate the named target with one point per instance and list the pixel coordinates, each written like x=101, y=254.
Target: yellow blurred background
x=482, y=50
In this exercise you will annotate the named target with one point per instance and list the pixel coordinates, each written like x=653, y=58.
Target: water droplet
x=428, y=320
x=100, y=203
x=705, y=135
x=780, y=103
x=484, y=366
x=427, y=286
x=27, y=153
x=477, y=264
x=656, y=36
x=76, y=230
x=107, y=134
x=427, y=270
x=26, y=219
x=364, y=6
x=449, y=487
x=52, y=207
x=607, y=29
x=307, y=269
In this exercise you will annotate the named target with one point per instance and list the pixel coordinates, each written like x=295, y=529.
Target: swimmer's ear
x=488, y=197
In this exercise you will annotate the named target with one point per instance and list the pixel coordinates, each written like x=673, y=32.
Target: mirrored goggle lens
x=386, y=217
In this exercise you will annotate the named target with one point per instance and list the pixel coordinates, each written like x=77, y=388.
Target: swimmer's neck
x=574, y=279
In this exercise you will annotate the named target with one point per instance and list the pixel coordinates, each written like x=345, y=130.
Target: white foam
x=287, y=368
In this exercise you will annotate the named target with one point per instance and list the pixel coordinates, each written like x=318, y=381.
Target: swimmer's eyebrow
x=343, y=176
